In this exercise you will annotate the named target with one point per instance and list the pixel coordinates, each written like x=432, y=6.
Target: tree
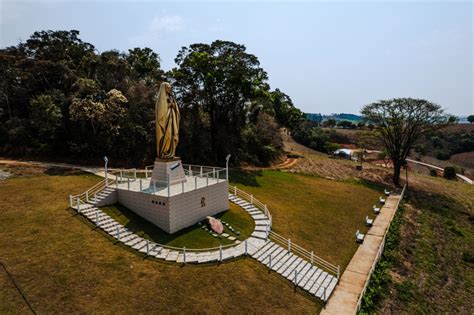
x=470, y=118
x=400, y=122
x=449, y=172
x=330, y=123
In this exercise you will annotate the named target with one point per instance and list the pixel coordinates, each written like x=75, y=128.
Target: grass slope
x=317, y=214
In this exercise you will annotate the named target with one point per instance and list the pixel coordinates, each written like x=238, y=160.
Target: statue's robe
x=167, y=123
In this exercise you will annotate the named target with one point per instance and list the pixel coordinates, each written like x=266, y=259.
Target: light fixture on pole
x=227, y=158
x=106, y=160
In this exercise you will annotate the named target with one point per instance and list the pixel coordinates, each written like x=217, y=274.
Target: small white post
x=235, y=190
x=266, y=232
x=121, y=176
x=182, y=187
x=338, y=270
x=168, y=182
x=147, y=247
x=116, y=182
x=146, y=172
x=289, y=245
x=70, y=200
x=195, y=182
x=207, y=180
x=134, y=173
x=184, y=254
x=213, y=172
x=95, y=197
x=118, y=233
x=78, y=205
x=217, y=176
x=141, y=185
x=87, y=196
x=312, y=257
x=270, y=261
x=245, y=247
x=266, y=210
x=154, y=187
x=220, y=252
x=128, y=183
x=251, y=199
x=97, y=217
x=296, y=275
x=201, y=171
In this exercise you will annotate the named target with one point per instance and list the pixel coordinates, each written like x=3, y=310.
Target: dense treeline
x=60, y=97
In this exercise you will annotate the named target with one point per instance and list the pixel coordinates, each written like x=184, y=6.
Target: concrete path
x=351, y=285
x=464, y=178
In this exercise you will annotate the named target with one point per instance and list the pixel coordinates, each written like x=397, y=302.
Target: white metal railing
x=306, y=254
x=254, y=201
x=379, y=253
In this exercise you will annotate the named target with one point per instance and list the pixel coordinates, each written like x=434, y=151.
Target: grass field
x=192, y=237
x=63, y=264
x=318, y=214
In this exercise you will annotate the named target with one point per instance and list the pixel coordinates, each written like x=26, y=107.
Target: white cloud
x=158, y=28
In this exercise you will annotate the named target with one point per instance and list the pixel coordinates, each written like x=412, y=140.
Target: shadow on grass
x=246, y=178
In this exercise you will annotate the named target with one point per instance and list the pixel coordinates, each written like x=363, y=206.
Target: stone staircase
x=301, y=272
x=297, y=270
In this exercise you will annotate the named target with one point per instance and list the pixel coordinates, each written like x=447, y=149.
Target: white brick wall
x=174, y=213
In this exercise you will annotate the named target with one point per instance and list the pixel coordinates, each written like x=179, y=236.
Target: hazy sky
x=329, y=57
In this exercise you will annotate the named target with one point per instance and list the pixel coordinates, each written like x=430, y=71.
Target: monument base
x=167, y=172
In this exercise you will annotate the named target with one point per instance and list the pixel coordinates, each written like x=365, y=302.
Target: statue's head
x=167, y=87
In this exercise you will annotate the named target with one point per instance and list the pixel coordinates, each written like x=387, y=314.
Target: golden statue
x=167, y=123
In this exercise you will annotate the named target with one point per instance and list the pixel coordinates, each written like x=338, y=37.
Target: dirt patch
x=465, y=159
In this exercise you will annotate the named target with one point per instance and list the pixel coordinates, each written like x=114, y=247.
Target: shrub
x=449, y=172
x=443, y=155
x=433, y=173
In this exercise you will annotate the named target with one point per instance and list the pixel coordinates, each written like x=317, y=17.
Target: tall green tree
x=400, y=122
x=217, y=85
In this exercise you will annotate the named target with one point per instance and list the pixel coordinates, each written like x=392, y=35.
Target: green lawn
x=191, y=237
x=65, y=265
x=318, y=214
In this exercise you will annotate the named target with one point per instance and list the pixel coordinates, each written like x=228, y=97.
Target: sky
x=329, y=57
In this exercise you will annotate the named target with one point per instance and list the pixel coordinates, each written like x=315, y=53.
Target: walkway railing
x=379, y=253
x=305, y=254
x=91, y=192
x=254, y=201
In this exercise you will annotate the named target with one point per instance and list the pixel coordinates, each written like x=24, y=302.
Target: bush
x=443, y=155
x=449, y=172
x=433, y=173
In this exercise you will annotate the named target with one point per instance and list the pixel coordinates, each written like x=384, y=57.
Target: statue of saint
x=167, y=123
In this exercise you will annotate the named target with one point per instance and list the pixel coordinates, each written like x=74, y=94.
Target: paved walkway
x=346, y=295
x=127, y=237
x=464, y=178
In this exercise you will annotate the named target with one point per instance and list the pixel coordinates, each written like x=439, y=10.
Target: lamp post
x=227, y=158
x=106, y=160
